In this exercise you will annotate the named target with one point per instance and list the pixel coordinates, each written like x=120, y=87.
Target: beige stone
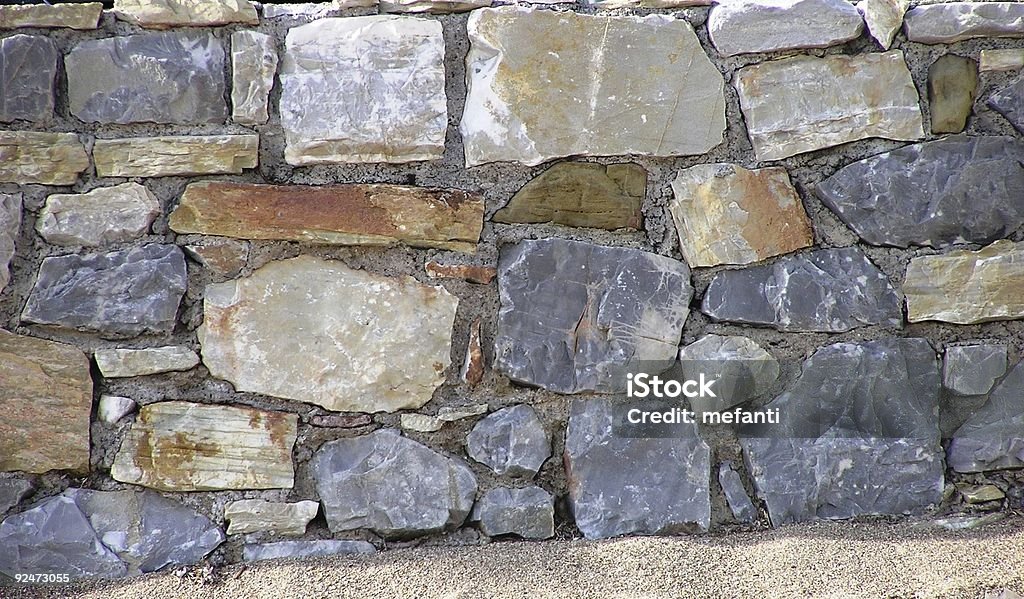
x=420, y=423
x=256, y=515
x=613, y=4
x=1006, y=59
x=481, y=275
x=451, y=414
x=253, y=66
x=225, y=257
x=101, y=216
x=161, y=14
x=952, y=87
x=883, y=18
x=432, y=6
x=69, y=15
x=176, y=156
x=45, y=158
x=115, y=363
x=473, y=366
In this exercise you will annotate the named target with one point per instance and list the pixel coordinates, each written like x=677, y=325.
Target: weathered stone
x=473, y=273
x=420, y=423
x=1005, y=59
x=473, y=366
x=453, y=413
x=973, y=369
x=181, y=446
x=113, y=408
x=341, y=420
x=355, y=214
x=312, y=10
x=620, y=485
x=101, y=216
x=253, y=66
x=853, y=98
x=576, y=317
x=47, y=400
x=967, y=522
x=743, y=369
x=546, y=84
x=85, y=15
x=12, y=492
x=830, y=290
x=10, y=225
x=528, y=513
x=161, y=14
x=952, y=85
x=28, y=71
x=746, y=26
x=122, y=293
x=364, y=89
x=255, y=515
x=935, y=193
x=581, y=194
x=115, y=363
x=992, y=439
x=391, y=485
x=176, y=156
x=1009, y=102
x=742, y=508
x=171, y=77
x=511, y=441
x=975, y=494
x=726, y=214
x=432, y=6
x=613, y=4
x=28, y=157
x=225, y=257
x=342, y=360
x=966, y=287
x=883, y=18
x=299, y=549
x=945, y=23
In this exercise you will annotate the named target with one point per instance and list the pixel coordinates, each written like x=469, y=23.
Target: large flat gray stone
x=949, y=22
x=746, y=26
x=28, y=72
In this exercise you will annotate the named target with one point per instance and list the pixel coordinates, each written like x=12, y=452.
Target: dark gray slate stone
x=12, y=491
x=28, y=71
x=742, y=370
x=620, y=485
x=740, y=505
x=830, y=291
x=391, y=485
x=1009, y=102
x=528, y=513
x=935, y=193
x=511, y=441
x=297, y=549
x=973, y=369
x=168, y=77
x=122, y=293
x=577, y=317
x=993, y=438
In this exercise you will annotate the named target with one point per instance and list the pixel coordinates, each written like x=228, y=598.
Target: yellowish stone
x=175, y=156
x=44, y=158
x=161, y=14
x=69, y=15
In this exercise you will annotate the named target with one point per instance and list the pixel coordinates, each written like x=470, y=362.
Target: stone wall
x=303, y=279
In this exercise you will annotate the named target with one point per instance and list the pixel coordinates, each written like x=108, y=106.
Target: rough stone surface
x=160, y=14
x=453, y=413
x=854, y=97
x=28, y=157
x=576, y=317
x=255, y=515
x=581, y=194
x=743, y=368
x=112, y=408
x=1003, y=59
x=84, y=15
x=342, y=360
x=253, y=66
x=420, y=423
x=620, y=485
x=991, y=439
x=830, y=290
x=10, y=225
x=391, y=485
x=935, y=193
x=945, y=23
x=175, y=156
x=28, y=71
x=883, y=18
x=511, y=441
x=304, y=549
x=432, y=6
x=181, y=446
x=473, y=366
x=726, y=214
x=225, y=257
x=952, y=86
x=101, y=216
x=173, y=77
x=122, y=293
x=613, y=4
x=973, y=369
x=746, y=26
x=46, y=394
x=975, y=494
x=1009, y=102
x=528, y=513
x=740, y=505
x=545, y=84
x=482, y=275
x=364, y=89
x=967, y=287
x=335, y=214
x=12, y=491
x=115, y=363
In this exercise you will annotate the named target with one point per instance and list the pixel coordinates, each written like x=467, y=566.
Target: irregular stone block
x=453, y=413
x=47, y=400
x=473, y=366
x=299, y=549
x=965, y=287
x=1005, y=59
x=581, y=194
x=576, y=317
x=746, y=26
x=991, y=439
x=432, y=6
x=391, y=485
x=10, y=226
x=973, y=369
x=12, y=491
x=511, y=441
x=175, y=77
x=935, y=193
x=101, y=216
x=975, y=494
x=225, y=257
x=946, y=23
x=253, y=66
x=528, y=513
x=122, y=293
x=952, y=83
x=1009, y=102
x=354, y=214
x=364, y=89
x=28, y=71
x=420, y=423
x=804, y=103
x=343, y=360
x=113, y=408
x=28, y=157
x=726, y=214
x=613, y=4
x=114, y=363
x=743, y=369
x=255, y=515
x=473, y=273
x=341, y=420
x=176, y=156
x=735, y=494
x=546, y=84
x=161, y=14
x=831, y=290
x=883, y=18
x=85, y=15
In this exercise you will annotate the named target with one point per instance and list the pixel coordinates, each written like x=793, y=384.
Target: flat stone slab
x=253, y=66
x=528, y=513
x=364, y=89
x=254, y=552
x=1001, y=59
x=576, y=317
x=946, y=23
x=973, y=369
x=740, y=505
x=747, y=26
x=102, y=216
x=28, y=157
x=114, y=363
x=952, y=87
x=991, y=439
x=546, y=84
x=10, y=227
x=883, y=18
x=84, y=15
x=255, y=515
x=511, y=441
x=343, y=360
x=354, y=214
x=854, y=97
x=161, y=14
x=1009, y=102
x=170, y=156
x=223, y=256
x=432, y=6
x=182, y=446
x=28, y=72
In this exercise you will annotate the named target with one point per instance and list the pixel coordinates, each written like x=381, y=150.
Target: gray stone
x=12, y=491
x=173, y=77
x=934, y=193
x=620, y=485
x=740, y=505
x=420, y=423
x=28, y=72
x=122, y=293
x=973, y=369
x=743, y=369
x=945, y=23
x=883, y=18
x=391, y=485
x=747, y=26
x=952, y=86
x=119, y=363
x=830, y=290
x=432, y=6
x=528, y=513
x=253, y=66
x=101, y=216
x=113, y=408
x=576, y=317
x=10, y=226
x=298, y=549
x=511, y=441
x=993, y=438
x=1009, y=102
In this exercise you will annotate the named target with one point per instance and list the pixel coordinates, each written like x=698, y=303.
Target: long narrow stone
x=175, y=156
x=945, y=23
x=255, y=515
x=71, y=15
x=28, y=157
x=115, y=363
x=1005, y=59
x=10, y=226
x=253, y=65
x=161, y=14
x=747, y=26
x=432, y=6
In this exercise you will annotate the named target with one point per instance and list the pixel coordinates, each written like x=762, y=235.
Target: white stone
x=113, y=408
x=951, y=22
x=747, y=26
x=421, y=423
x=115, y=363
x=883, y=18
x=256, y=515
x=101, y=216
x=451, y=414
x=253, y=65
x=1007, y=59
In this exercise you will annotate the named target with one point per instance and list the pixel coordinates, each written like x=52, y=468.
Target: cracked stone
x=304, y=549
x=511, y=441
x=740, y=505
x=161, y=14
x=1009, y=102
x=225, y=257
x=172, y=156
x=12, y=492
x=951, y=22
x=28, y=71
x=113, y=408
x=952, y=86
x=85, y=15
x=114, y=363
x=10, y=225
x=973, y=369
x=28, y=157
x=253, y=66
x=883, y=18
x=527, y=513
x=743, y=369
x=991, y=438
x=747, y=26
x=256, y=515
x=102, y=216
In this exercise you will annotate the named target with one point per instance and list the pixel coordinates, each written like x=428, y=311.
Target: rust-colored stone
x=470, y=272
x=473, y=368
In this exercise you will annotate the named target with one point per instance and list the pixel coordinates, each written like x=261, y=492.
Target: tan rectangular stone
x=44, y=158
x=71, y=15
x=1006, y=59
x=176, y=156
x=161, y=14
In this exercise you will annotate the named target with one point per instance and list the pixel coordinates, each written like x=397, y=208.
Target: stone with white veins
x=112, y=408
x=254, y=552
x=256, y=515
x=511, y=441
x=528, y=513
x=991, y=439
x=948, y=22
x=748, y=26
x=1009, y=102
x=101, y=216
x=546, y=84
x=973, y=369
x=343, y=360
x=253, y=66
x=743, y=369
x=883, y=18
x=28, y=72
x=10, y=225
x=114, y=363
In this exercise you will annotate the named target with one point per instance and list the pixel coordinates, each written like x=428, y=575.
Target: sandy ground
x=847, y=560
